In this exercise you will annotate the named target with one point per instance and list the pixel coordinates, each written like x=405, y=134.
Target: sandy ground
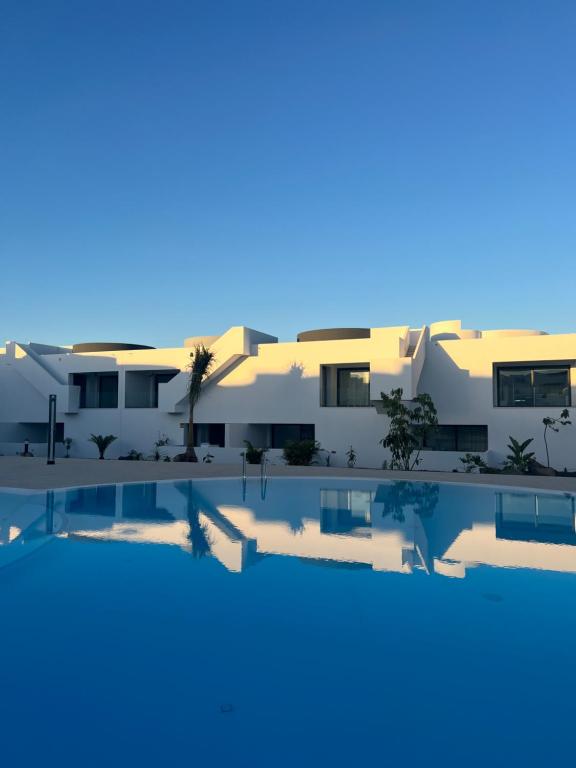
x=18, y=472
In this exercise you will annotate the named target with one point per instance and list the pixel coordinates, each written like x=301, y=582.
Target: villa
x=325, y=385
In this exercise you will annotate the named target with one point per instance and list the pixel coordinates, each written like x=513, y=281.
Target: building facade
x=326, y=385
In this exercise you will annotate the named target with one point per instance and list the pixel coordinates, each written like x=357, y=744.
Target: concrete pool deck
x=35, y=474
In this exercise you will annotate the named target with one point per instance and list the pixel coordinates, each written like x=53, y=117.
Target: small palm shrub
x=253, y=455
x=102, y=442
x=300, y=453
x=518, y=460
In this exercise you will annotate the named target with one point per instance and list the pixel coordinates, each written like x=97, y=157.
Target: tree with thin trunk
x=202, y=360
x=198, y=535
x=554, y=425
x=411, y=421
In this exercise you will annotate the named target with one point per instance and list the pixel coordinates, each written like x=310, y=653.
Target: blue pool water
x=307, y=622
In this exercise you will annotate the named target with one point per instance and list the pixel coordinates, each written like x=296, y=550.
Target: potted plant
x=67, y=444
x=351, y=457
x=160, y=443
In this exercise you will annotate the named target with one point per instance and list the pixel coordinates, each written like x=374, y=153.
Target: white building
x=486, y=386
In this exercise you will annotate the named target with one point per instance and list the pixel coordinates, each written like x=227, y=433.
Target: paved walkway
x=17, y=472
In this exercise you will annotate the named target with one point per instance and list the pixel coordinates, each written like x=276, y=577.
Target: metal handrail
x=263, y=476
x=263, y=466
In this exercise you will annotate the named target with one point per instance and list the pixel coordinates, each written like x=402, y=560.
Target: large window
x=280, y=434
x=345, y=386
x=346, y=512
x=97, y=390
x=99, y=500
x=542, y=386
x=206, y=434
x=458, y=437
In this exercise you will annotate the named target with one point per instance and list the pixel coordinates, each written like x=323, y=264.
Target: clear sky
x=173, y=167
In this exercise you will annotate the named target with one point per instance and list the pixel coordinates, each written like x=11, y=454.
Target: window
x=97, y=390
x=35, y=432
x=99, y=500
x=346, y=512
x=139, y=502
x=280, y=434
x=528, y=386
x=458, y=437
x=211, y=434
x=142, y=387
x=345, y=386
x=108, y=390
x=539, y=517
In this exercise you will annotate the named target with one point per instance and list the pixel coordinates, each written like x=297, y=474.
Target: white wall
x=459, y=376
x=264, y=383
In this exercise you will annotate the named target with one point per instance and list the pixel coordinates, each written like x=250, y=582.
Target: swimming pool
x=298, y=622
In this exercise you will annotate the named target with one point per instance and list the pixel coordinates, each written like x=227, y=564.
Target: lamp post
x=50, y=511
x=51, y=429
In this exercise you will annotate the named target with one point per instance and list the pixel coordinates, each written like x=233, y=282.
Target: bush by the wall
x=300, y=453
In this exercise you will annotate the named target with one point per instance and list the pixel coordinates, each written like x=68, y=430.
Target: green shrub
x=253, y=455
x=411, y=421
x=473, y=461
x=300, y=453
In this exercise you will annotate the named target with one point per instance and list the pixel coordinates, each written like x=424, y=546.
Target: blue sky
x=175, y=167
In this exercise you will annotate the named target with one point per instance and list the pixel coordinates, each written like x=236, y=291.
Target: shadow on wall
x=469, y=399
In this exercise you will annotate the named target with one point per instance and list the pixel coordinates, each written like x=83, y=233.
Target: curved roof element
x=334, y=334
x=107, y=346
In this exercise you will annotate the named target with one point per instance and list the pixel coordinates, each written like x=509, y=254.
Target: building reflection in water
x=346, y=512
x=403, y=527
x=536, y=517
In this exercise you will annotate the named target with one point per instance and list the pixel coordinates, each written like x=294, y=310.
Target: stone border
x=34, y=474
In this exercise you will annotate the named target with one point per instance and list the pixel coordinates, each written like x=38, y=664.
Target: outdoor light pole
x=51, y=429
x=50, y=511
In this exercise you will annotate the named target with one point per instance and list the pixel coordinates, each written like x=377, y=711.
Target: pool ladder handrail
x=263, y=476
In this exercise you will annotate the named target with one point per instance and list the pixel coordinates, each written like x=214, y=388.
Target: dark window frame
x=80, y=379
x=459, y=436
x=348, y=369
x=303, y=428
x=216, y=433
x=532, y=366
x=327, y=370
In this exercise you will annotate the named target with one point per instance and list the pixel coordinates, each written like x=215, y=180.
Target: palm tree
x=102, y=442
x=198, y=536
x=200, y=366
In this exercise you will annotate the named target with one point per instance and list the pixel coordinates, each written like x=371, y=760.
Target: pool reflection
x=400, y=527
